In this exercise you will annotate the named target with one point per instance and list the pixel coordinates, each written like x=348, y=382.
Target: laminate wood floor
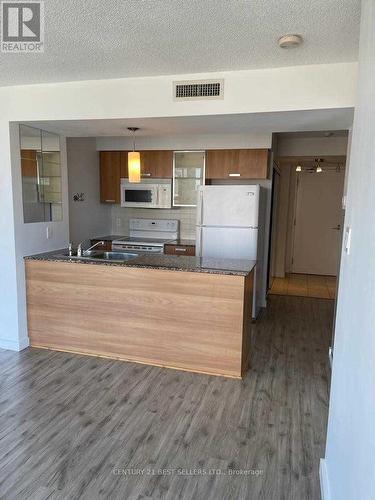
x=77, y=427
x=305, y=285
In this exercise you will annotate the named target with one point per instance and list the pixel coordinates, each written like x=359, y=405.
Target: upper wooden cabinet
x=114, y=166
x=158, y=164
x=110, y=174
x=237, y=163
x=154, y=164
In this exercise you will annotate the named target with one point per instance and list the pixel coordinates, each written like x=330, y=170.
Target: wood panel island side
x=176, y=312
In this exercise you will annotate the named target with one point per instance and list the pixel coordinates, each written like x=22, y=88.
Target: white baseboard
x=324, y=483
x=14, y=345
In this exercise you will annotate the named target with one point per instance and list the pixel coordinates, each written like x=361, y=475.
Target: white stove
x=148, y=235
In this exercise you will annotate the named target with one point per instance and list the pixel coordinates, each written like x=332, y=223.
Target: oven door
x=139, y=195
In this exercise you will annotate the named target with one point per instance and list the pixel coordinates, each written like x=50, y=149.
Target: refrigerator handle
x=200, y=208
x=198, y=242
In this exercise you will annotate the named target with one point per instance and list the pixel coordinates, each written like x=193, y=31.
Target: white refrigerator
x=228, y=227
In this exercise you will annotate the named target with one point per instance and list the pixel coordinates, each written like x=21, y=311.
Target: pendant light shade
x=134, y=166
x=134, y=161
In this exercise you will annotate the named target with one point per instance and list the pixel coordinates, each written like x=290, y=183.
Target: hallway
x=69, y=422
x=305, y=285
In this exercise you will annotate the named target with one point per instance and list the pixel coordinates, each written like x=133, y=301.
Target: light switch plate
x=343, y=202
x=347, y=239
x=49, y=232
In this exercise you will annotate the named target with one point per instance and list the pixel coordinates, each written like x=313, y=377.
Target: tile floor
x=305, y=285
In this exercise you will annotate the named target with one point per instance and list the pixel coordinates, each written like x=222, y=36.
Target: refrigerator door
x=227, y=243
x=229, y=206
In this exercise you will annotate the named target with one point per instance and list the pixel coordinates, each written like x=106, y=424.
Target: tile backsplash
x=186, y=216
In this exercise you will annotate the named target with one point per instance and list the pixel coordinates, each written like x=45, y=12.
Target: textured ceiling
x=249, y=123
x=122, y=38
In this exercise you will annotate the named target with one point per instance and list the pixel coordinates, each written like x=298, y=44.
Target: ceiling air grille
x=199, y=89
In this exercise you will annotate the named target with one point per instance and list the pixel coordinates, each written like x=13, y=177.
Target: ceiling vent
x=198, y=89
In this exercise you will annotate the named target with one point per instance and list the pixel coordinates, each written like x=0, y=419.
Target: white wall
x=28, y=239
x=320, y=86
x=312, y=146
x=88, y=218
x=347, y=472
x=185, y=141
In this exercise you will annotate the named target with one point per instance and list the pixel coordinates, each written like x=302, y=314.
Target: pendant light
x=134, y=160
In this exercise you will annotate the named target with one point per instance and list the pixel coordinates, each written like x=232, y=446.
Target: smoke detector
x=290, y=41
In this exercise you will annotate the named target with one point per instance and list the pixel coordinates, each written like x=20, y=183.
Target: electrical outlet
x=118, y=222
x=49, y=232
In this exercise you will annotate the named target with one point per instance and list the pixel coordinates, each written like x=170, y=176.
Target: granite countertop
x=236, y=267
x=112, y=237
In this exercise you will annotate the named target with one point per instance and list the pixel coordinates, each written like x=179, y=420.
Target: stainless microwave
x=156, y=193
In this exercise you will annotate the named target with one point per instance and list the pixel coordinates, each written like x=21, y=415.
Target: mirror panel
x=41, y=175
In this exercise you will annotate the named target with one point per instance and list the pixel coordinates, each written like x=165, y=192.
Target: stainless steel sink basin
x=98, y=255
x=117, y=256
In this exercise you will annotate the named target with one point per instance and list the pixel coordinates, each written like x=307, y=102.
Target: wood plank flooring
x=72, y=427
x=305, y=285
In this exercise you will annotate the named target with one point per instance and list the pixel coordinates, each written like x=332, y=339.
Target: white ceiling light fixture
x=290, y=41
x=134, y=160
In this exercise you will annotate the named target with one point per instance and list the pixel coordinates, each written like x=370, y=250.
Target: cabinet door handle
x=145, y=175
x=234, y=175
x=179, y=249
x=110, y=201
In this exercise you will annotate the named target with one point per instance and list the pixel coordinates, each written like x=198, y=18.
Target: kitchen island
x=180, y=312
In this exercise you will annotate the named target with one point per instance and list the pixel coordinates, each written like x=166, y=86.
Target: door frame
x=273, y=224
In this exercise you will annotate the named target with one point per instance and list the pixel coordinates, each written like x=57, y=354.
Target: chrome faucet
x=81, y=252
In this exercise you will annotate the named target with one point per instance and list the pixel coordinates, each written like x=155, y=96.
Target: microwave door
x=137, y=196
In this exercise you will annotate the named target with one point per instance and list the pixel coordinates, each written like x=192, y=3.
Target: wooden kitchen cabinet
x=237, y=164
x=174, y=249
x=110, y=174
x=156, y=164
x=114, y=167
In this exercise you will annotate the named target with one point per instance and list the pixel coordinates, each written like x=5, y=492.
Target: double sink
x=103, y=256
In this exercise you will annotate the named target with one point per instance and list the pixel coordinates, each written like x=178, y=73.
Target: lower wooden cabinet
x=173, y=249
x=237, y=164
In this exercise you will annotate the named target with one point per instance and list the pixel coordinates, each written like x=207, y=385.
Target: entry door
x=318, y=222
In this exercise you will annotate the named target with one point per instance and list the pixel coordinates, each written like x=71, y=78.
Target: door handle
x=337, y=228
